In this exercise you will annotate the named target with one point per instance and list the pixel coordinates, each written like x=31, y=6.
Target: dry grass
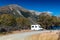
x=44, y=36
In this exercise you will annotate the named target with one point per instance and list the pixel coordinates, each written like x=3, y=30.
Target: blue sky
x=38, y=5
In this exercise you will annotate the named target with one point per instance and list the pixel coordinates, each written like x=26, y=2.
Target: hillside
x=18, y=11
x=14, y=17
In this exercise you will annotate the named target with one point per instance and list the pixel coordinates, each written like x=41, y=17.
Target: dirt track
x=20, y=36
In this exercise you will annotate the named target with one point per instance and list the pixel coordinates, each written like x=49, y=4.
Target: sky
x=37, y=5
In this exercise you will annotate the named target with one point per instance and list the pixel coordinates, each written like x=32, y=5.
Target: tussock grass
x=44, y=36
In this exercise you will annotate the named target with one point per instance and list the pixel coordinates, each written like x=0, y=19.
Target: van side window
x=35, y=26
x=32, y=26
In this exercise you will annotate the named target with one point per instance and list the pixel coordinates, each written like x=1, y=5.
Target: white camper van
x=36, y=27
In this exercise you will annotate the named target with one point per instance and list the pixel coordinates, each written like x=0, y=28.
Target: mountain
x=35, y=12
x=46, y=13
x=14, y=9
x=18, y=11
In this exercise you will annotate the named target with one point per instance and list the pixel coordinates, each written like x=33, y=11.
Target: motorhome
x=36, y=27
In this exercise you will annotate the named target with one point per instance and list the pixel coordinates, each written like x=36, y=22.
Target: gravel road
x=20, y=36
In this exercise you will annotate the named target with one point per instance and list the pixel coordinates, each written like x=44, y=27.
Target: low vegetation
x=10, y=23
x=44, y=36
x=48, y=21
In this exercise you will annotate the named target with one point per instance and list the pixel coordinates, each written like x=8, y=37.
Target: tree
x=22, y=22
x=7, y=19
x=48, y=21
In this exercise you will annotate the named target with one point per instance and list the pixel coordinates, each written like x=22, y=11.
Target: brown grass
x=44, y=36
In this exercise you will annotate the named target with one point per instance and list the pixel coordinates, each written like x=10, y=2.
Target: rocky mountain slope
x=18, y=11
